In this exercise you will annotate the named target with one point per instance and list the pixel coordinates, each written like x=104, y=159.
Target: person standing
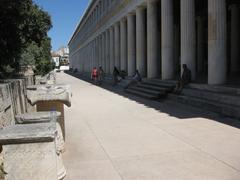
x=100, y=75
x=94, y=75
x=184, y=80
x=115, y=76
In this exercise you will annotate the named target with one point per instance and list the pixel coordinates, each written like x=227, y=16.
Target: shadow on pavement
x=180, y=111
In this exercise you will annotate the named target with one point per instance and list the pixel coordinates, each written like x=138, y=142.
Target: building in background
x=61, y=57
x=158, y=36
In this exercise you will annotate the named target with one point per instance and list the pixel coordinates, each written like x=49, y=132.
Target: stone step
x=172, y=82
x=149, y=91
x=211, y=96
x=156, y=88
x=227, y=110
x=216, y=89
x=159, y=84
x=141, y=94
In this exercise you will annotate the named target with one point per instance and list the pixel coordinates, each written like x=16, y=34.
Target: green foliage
x=23, y=36
x=29, y=55
x=43, y=62
x=11, y=17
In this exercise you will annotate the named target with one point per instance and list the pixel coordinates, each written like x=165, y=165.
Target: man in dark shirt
x=185, y=79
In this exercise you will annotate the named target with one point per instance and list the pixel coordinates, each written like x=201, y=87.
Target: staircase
x=219, y=99
x=151, y=89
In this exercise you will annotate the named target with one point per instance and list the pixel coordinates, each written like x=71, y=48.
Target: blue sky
x=65, y=16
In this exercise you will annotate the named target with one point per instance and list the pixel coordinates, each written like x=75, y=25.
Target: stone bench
x=49, y=98
x=47, y=117
x=6, y=106
x=44, y=117
x=49, y=78
x=29, y=152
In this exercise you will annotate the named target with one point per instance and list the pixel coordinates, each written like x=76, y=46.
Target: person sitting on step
x=135, y=79
x=184, y=80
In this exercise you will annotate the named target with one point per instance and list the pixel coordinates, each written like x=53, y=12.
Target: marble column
x=153, y=61
x=167, y=39
x=87, y=59
x=91, y=53
x=200, y=45
x=188, y=36
x=217, y=42
x=123, y=43
x=80, y=60
x=141, y=45
x=96, y=56
x=111, y=49
x=94, y=16
x=131, y=40
x=107, y=52
x=235, y=39
x=176, y=50
x=117, y=45
x=95, y=53
x=100, y=51
x=97, y=14
x=103, y=51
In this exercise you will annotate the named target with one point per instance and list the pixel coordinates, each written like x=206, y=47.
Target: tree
x=12, y=14
x=23, y=35
x=43, y=64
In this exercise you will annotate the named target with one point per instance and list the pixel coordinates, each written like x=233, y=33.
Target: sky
x=65, y=15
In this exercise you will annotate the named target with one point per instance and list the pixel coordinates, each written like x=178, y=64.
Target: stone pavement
x=110, y=136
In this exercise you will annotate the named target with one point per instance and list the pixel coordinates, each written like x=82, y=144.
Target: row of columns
x=134, y=42
x=101, y=8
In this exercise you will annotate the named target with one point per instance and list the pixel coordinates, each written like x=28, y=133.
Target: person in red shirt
x=94, y=74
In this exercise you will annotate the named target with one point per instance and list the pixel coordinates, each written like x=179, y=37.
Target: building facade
x=158, y=36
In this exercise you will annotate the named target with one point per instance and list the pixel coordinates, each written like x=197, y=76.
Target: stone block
x=40, y=93
x=35, y=161
x=45, y=117
x=18, y=95
x=37, y=117
x=30, y=152
x=56, y=106
x=17, y=134
x=49, y=98
x=6, y=108
x=49, y=78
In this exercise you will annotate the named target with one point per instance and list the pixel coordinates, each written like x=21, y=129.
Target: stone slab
x=6, y=107
x=35, y=161
x=37, y=117
x=29, y=133
x=39, y=93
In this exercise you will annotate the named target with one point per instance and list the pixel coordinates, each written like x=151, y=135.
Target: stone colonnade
x=141, y=40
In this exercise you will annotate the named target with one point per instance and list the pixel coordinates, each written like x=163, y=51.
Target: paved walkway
x=112, y=137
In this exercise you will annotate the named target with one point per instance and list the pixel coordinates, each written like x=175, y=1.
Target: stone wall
x=13, y=99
